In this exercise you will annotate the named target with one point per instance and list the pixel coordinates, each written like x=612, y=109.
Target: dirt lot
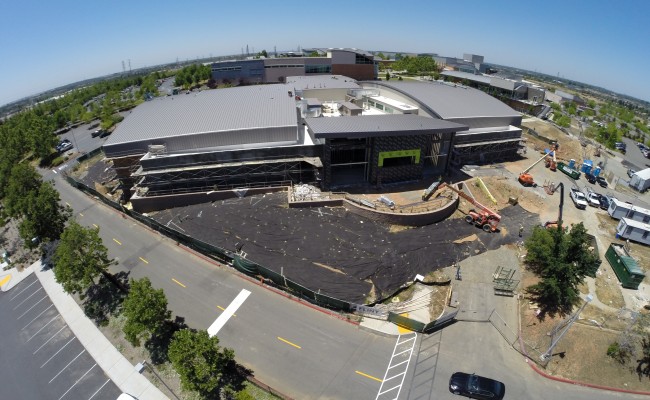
x=570, y=148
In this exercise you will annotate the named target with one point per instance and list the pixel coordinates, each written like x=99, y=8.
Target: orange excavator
x=484, y=218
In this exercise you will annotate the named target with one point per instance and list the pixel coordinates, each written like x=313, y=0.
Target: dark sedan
x=601, y=181
x=604, y=203
x=476, y=387
x=590, y=178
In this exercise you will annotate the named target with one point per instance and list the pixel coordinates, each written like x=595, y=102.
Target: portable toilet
x=626, y=269
x=596, y=171
x=572, y=163
x=586, y=166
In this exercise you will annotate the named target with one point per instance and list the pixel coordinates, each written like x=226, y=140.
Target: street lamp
x=564, y=326
x=139, y=367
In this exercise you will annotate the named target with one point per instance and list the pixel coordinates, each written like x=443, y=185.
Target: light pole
x=140, y=367
x=564, y=326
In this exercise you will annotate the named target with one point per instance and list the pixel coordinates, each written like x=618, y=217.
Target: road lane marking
x=289, y=343
x=178, y=282
x=78, y=380
x=21, y=292
x=228, y=312
x=368, y=376
x=81, y=215
x=44, y=326
x=117, y=241
x=95, y=225
x=64, y=368
x=223, y=309
x=30, y=308
x=143, y=260
x=29, y=297
x=68, y=204
x=36, y=317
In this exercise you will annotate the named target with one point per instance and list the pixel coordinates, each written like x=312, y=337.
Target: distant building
x=561, y=97
x=353, y=63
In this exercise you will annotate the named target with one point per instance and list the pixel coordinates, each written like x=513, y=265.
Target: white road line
x=74, y=384
x=100, y=388
x=64, y=368
x=228, y=312
x=385, y=393
x=49, y=322
x=30, y=322
x=29, y=309
x=21, y=303
x=19, y=293
x=51, y=337
x=49, y=359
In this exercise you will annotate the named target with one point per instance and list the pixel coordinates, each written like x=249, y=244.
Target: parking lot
x=42, y=358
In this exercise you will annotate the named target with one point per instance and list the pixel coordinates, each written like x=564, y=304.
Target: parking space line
x=29, y=323
x=49, y=322
x=100, y=388
x=74, y=384
x=143, y=260
x=81, y=215
x=49, y=359
x=64, y=368
x=117, y=241
x=30, y=308
x=28, y=286
x=29, y=297
x=51, y=337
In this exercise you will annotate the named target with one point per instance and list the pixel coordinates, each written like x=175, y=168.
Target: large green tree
x=23, y=179
x=145, y=309
x=80, y=258
x=562, y=259
x=200, y=361
x=44, y=217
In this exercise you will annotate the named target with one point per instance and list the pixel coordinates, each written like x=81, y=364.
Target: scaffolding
x=483, y=152
x=504, y=285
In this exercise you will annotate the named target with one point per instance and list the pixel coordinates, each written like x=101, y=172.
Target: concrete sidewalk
x=116, y=367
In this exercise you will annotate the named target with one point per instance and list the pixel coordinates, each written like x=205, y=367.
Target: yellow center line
x=81, y=215
x=143, y=260
x=95, y=225
x=178, y=282
x=68, y=204
x=223, y=309
x=289, y=343
x=117, y=241
x=368, y=376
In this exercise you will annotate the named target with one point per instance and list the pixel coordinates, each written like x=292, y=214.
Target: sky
x=46, y=44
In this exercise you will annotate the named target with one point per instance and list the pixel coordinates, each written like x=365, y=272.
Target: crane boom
x=535, y=163
x=487, y=219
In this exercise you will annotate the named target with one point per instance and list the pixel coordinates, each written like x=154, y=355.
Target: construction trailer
x=640, y=180
x=620, y=209
x=626, y=268
x=633, y=230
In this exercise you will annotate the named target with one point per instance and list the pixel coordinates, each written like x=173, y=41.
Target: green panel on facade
x=399, y=153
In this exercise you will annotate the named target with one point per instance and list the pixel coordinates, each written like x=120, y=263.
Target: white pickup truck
x=578, y=198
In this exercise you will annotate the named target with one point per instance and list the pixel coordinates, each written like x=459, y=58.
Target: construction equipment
x=525, y=178
x=486, y=219
x=429, y=191
x=551, y=161
x=558, y=222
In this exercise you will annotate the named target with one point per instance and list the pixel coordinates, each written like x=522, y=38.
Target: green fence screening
x=405, y=322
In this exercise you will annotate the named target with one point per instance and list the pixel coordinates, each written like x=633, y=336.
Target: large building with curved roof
x=328, y=130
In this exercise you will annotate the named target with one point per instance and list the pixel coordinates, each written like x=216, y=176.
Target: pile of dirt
x=570, y=148
x=502, y=189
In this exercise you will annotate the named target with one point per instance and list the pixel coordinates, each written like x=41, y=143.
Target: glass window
x=645, y=234
x=380, y=106
x=388, y=110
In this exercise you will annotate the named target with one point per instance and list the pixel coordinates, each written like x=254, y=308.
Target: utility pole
x=564, y=327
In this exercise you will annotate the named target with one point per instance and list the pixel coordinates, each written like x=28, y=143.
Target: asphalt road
x=41, y=357
x=304, y=353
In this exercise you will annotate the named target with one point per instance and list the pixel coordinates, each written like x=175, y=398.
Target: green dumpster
x=575, y=174
x=626, y=269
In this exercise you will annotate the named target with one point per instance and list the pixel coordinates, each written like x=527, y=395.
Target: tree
x=80, y=258
x=381, y=56
x=387, y=76
x=44, y=216
x=199, y=360
x=22, y=180
x=145, y=309
x=562, y=259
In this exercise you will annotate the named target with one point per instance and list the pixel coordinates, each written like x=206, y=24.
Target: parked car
x=590, y=178
x=604, y=203
x=96, y=133
x=105, y=133
x=630, y=172
x=593, y=199
x=476, y=387
x=601, y=181
x=578, y=198
x=63, y=145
